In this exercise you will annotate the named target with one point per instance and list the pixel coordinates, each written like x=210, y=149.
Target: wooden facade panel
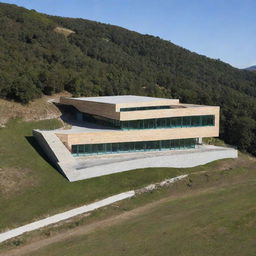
x=94, y=108
x=109, y=110
x=163, y=113
x=138, y=135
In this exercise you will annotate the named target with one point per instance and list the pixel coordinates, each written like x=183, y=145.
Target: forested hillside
x=98, y=59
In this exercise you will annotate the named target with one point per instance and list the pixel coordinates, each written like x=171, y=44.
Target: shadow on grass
x=33, y=142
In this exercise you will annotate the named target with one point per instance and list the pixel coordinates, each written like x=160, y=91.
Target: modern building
x=138, y=123
x=127, y=127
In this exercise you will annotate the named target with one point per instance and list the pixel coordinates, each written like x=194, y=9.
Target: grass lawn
x=216, y=216
x=30, y=188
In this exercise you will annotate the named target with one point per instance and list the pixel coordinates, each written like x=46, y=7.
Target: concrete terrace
x=79, y=168
x=99, y=160
x=83, y=127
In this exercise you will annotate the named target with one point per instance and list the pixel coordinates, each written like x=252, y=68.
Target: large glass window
x=186, y=121
x=122, y=147
x=156, y=123
x=195, y=121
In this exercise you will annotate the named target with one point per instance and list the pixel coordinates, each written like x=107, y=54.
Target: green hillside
x=30, y=188
x=211, y=212
x=215, y=222
x=88, y=58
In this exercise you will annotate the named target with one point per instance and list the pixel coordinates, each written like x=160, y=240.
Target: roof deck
x=130, y=107
x=128, y=99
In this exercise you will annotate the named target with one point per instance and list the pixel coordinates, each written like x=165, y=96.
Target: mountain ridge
x=251, y=68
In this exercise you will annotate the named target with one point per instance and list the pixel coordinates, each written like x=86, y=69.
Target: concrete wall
x=56, y=152
x=48, y=151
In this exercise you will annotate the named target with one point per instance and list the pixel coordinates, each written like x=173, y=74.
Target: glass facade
x=144, y=108
x=125, y=147
x=156, y=123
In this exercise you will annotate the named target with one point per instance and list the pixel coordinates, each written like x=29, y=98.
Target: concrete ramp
x=57, y=153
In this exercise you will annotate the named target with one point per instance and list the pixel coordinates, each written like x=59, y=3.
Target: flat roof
x=123, y=99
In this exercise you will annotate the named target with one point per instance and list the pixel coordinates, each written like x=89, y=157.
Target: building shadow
x=33, y=142
x=69, y=115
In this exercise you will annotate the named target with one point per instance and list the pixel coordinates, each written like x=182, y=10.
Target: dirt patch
x=13, y=180
x=39, y=109
x=244, y=161
x=64, y=31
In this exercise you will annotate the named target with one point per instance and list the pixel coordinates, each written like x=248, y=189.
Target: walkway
x=64, y=216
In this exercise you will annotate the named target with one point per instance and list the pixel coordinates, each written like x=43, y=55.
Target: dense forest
x=100, y=59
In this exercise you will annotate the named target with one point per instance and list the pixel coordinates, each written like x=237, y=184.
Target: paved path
x=83, y=209
x=63, y=216
x=99, y=225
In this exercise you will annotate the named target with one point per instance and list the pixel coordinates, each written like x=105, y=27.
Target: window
x=108, y=148
x=195, y=121
x=171, y=122
x=186, y=121
x=144, y=108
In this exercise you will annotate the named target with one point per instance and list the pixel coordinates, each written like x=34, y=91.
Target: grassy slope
x=37, y=109
x=35, y=189
x=216, y=221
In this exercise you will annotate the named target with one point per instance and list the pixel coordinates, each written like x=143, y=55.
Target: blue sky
x=223, y=29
